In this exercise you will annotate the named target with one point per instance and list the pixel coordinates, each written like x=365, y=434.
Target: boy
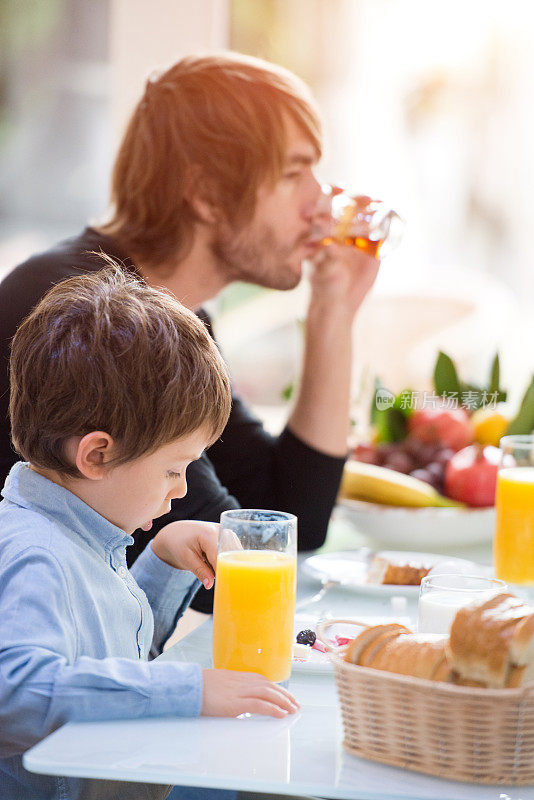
x=115, y=389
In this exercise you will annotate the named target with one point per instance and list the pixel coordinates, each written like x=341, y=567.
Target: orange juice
x=514, y=531
x=253, y=612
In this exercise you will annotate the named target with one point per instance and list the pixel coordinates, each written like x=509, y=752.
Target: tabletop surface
x=300, y=755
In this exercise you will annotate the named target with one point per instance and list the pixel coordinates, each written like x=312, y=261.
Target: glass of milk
x=440, y=597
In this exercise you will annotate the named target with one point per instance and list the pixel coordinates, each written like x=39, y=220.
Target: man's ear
x=200, y=194
x=93, y=452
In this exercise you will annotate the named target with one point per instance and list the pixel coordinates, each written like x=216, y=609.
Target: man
x=214, y=183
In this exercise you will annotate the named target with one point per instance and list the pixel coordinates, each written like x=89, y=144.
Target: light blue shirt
x=77, y=628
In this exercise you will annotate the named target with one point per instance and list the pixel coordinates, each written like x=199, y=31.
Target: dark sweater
x=246, y=467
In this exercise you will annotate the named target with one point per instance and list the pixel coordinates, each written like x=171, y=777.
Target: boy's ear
x=93, y=452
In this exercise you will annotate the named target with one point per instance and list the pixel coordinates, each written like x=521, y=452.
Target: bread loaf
x=443, y=671
x=364, y=646
x=414, y=654
x=488, y=643
x=395, y=648
x=401, y=573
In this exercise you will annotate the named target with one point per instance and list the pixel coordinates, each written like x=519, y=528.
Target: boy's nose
x=180, y=490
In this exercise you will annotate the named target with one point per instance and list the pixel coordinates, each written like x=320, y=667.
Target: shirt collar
x=28, y=489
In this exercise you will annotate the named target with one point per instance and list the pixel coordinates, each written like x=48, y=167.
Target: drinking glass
x=255, y=589
x=440, y=597
x=359, y=221
x=513, y=545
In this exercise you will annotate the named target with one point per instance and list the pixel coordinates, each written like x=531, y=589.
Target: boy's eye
x=171, y=474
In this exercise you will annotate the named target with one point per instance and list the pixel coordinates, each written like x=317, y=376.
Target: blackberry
x=306, y=637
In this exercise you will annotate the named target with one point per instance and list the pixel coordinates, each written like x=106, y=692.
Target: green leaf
x=397, y=425
x=471, y=387
x=391, y=425
x=494, y=390
x=523, y=422
x=404, y=402
x=287, y=392
x=374, y=412
x=381, y=427
x=471, y=396
x=390, y=420
x=446, y=379
x=495, y=375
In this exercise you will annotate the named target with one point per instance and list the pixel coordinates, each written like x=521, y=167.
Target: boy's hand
x=227, y=694
x=189, y=545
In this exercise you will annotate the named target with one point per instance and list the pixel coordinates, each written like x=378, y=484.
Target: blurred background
x=426, y=105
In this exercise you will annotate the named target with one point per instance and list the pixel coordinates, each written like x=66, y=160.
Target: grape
x=412, y=447
x=416, y=450
x=366, y=453
x=444, y=456
x=428, y=454
x=438, y=471
x=424, y=475
x=421, y=452
x=399, y=461
x=306, y=637
x=384, y=451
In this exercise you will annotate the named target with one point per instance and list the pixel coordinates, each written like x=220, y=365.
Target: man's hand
x=227, y=694
x=189, y=545
x=342, y=277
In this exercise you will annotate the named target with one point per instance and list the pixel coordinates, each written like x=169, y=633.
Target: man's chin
x=286, y=282
x=291, y=275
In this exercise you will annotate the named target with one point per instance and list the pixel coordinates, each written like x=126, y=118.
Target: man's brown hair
x=106, y=352
x=213, y=122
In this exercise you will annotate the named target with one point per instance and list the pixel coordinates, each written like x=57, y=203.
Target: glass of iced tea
x=513, y=545
x=255, y=585
x=359, y=221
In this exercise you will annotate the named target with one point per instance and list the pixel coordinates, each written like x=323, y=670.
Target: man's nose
x=315, y=199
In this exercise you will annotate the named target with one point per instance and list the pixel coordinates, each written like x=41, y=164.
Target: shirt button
x=122, y=572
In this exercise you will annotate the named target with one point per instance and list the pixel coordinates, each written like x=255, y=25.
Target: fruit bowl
x=418, y=528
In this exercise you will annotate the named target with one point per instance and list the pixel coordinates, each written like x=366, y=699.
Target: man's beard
x=255, y=256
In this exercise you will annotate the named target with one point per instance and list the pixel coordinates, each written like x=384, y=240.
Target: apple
x=446, y=427
x=471, y=475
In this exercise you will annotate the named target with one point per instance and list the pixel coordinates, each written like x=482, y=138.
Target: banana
x=381, y=485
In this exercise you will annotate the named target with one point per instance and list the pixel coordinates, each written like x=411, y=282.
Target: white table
x=299, y=755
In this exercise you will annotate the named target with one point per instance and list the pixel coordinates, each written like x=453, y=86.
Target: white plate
x=320, y=662
x=350, y=568
x=418, y=528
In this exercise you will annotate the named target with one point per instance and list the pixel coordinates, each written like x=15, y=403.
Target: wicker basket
x=455, y=732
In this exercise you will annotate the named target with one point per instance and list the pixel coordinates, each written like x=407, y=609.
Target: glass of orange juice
x=513, y=548
x=255, y=589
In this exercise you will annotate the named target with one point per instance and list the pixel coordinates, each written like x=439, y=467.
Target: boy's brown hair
x=215, y=123
x=106, y=352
